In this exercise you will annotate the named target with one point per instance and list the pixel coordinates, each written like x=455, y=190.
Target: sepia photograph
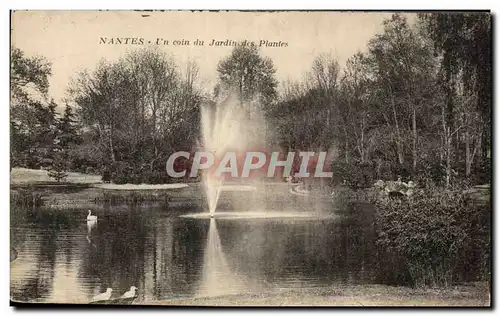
x=251, y=158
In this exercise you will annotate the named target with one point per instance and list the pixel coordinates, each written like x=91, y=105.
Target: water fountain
x=224, y=127
x=230, y=126
x=227, y=126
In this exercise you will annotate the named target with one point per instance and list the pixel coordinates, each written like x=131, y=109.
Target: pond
x=167, y=255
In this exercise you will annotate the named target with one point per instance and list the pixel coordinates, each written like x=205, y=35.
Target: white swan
x=91, y=217
x=103, y=296
x=129, y=294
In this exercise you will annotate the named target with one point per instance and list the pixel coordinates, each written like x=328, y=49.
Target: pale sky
x=70, y=39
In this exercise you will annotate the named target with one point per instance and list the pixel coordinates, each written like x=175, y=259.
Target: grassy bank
x=32, y=176
x=34, y=188
x=66, y=196
x=476, y=294
x=140, y=187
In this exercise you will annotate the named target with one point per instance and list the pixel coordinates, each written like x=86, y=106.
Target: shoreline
x=87, y=191
x=87, y=195
x=473, y=294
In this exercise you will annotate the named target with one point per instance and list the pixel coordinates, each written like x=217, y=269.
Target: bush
x=346, y=196
x=481, y=172
x=155, y=177
x=431, y=173
x=435, y=234
x=90, y=170
x=122, y=173
x=106, y=175
x=355, y=175
x=136, y=177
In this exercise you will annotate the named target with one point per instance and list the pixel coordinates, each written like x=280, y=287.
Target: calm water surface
x=63, y=259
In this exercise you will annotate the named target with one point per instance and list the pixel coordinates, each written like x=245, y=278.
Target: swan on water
x=103, y=296
x=130, y=293
x=91, y=217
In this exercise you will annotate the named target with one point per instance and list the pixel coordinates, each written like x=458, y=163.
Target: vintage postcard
x=250, y=158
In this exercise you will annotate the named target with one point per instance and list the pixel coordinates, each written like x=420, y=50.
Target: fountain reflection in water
x=217, y=279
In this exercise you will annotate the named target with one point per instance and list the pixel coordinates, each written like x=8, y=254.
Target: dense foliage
x=416, y=104
x=436, y=235
x=418, y=101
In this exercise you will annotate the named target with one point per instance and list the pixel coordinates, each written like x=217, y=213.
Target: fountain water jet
x=226, y=126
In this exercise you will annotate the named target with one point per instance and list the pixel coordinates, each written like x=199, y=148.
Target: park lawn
x=33, y=176
x=128, y=186
x=85, y=190
x=351, y=295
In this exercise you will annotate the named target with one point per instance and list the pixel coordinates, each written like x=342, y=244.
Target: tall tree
x=67, y=125
x=249, y=75
x=26, y=73
x=402, y=64
x=140, y=108
x=354, y=110
x=32, y=115
x=463, y=41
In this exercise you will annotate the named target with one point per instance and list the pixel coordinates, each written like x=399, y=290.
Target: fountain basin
x=261, y=215
x=236, y=188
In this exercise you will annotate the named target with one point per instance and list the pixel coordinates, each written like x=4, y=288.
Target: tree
x=68, y=134
x=463, y=43
x=32, y=116
x=138, y=110
x=402, y=68
x=324, y=76
x=26, y=73
x=412, y=105
x=354, y=110
x=304, y=116
x=58, y=167
x=249, y=75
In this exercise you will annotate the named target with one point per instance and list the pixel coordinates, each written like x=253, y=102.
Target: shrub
x=154, y=177
x=58, y=167
x=106, y=175
x=90, y=170
x=434, y=232
x=346, y=196
x=32, y=162
x=481, y=172
x=431, y=173
x=353, y=175
x=122, y=173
